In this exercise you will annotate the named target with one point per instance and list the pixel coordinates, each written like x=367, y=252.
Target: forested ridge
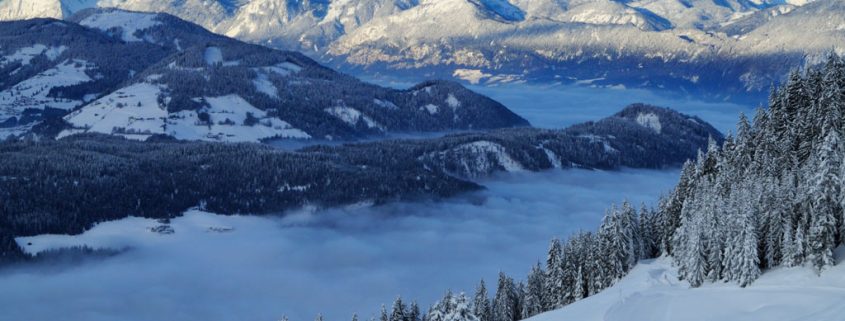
x=769, y=196
x=65, y=186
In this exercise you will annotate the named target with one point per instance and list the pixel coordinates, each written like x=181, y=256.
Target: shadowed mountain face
x=137, y=75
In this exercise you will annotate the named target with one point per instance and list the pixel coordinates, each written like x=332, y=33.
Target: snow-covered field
x=128, y=22
x=135, y=112
x=652, y=292
x=33, y=92
x=337, y=262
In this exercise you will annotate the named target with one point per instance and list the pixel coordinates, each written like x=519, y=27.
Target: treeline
x=772, y=195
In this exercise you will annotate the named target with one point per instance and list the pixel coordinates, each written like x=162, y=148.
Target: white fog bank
x=336, y=262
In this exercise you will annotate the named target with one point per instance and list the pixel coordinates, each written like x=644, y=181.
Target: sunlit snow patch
x=128, y=22
x=430, y=108
x=650, y=120
x=352, y=117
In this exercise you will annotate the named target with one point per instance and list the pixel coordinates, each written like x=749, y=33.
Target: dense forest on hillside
x=66, y=186
x=772, y=195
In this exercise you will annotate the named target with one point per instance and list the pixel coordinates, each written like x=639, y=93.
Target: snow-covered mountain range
x=143, y=74
x=720, y=48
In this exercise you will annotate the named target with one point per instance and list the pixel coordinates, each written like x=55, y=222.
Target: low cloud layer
x=561, y=106
x=335, y=262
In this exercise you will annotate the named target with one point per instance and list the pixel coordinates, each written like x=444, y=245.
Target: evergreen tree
x=749, y=267
x=534, y=291
x=383, y=316
x=413, y=312
x=398, y=311
x=825, y=202
x=461, y=310
x=505, y=305
x=481, y=304
x=554, y=287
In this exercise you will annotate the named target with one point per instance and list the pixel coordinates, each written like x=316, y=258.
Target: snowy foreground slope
x=652, y=292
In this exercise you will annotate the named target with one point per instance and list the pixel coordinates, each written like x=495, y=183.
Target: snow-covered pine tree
x=612, y=246
x=571, y=261
x=413, y=312
x=627, y=232
x=481, y=303
x=670, y=209
x=749, y=258
x=461, y=310
x=825, y=205
x=383, y=316
x=533, y=302
x=397, y=313
x=584, y=247
x=441, y=310
x=791, y=253
x=506, y=303
x=553, y=297
x=647, y=233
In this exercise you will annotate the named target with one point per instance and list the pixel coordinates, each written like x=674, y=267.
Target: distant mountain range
x=142, y=74
x=725, y=49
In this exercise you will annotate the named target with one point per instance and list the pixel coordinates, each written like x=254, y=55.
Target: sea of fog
x=350, y=260
x=561, y=106
x=335, y=262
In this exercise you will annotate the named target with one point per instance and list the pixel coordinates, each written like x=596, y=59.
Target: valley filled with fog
x=348, y=260
x=336, y=262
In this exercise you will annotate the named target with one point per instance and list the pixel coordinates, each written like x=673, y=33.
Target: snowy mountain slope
x=192, y=84
x=690, y=45
x=824, y=18
x=56, y=66
x=652, y=292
